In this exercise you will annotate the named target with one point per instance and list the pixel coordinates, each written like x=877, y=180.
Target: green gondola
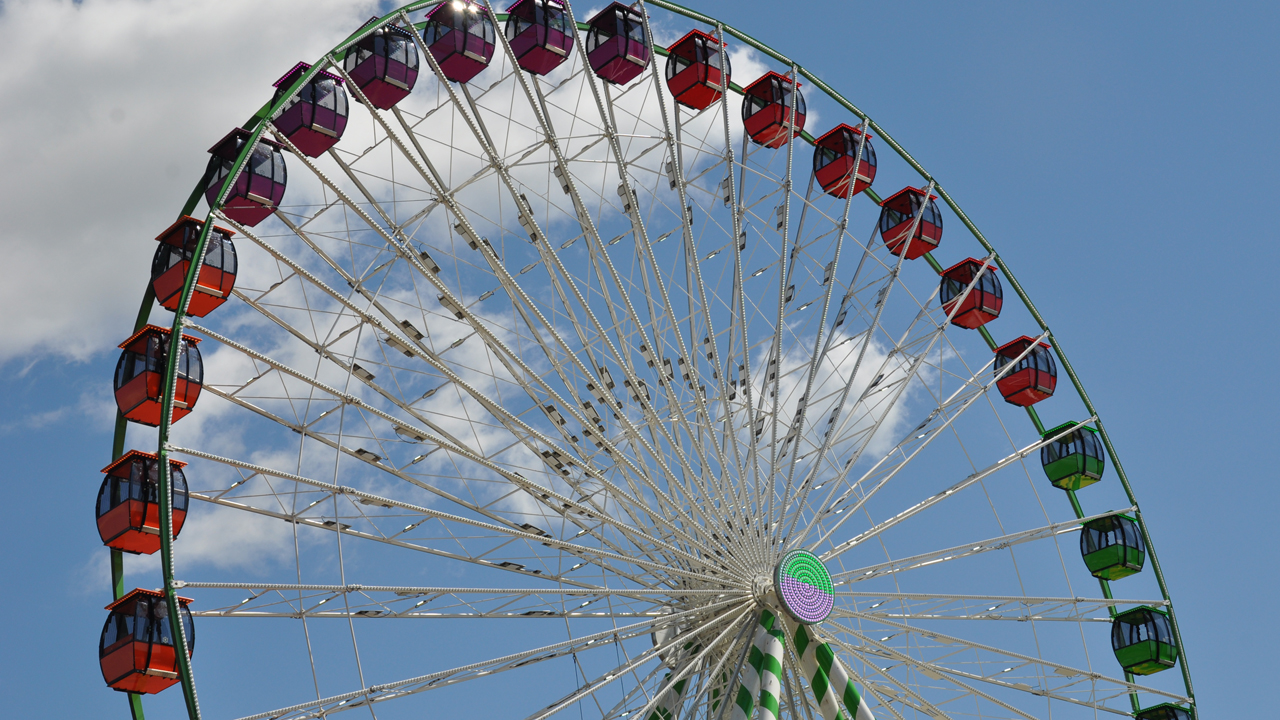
x=1112, y=547
x=1143, y=641
x=1166, y=711
x=1074, y=460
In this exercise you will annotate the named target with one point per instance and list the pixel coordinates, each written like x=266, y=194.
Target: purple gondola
x=259, y=189
x=384, y=65
x=617, y=46
x=539, y=33
x=316, y=116
x=461, y=36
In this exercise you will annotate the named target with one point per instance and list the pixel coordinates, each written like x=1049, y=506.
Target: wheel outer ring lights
x=804, y=587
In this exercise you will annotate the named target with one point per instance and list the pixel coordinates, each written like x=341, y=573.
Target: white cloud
x=229, y=539
x=110, y=107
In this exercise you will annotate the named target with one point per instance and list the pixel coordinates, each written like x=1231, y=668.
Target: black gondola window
x=1155, y=626
x=1038, y=359
x=219, y=252
x=149, y=623
x=1122, y=531
x=142, y=484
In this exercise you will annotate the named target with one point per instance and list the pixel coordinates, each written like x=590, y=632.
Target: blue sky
x=1093, y=144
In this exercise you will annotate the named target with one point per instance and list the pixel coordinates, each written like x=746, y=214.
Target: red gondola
x=539, y=34
x=140, y=375
x=316, y=116
x=461, y=36
x=136, y=649
x=259, y=189
x=1034, y=377
x=693, y=70
x=384, y=65
x=833, y=161
x=129, y=502
x=897, y=216
x=617, y=46
x=981, y=305
x=173, y=259
x=766, y=110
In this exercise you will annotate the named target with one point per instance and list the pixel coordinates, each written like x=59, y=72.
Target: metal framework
x=653, y=416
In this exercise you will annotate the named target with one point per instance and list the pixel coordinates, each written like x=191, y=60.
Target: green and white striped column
x=669, y=703
x=672, y=696
x=762, y=676
x=827, y=678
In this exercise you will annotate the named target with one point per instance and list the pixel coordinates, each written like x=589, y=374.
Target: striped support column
x=828, y=679
x=669, y=703
x=718, y=689
x=668, y=706
x=761, y=677
x=771, y=644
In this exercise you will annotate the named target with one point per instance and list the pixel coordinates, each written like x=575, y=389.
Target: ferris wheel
x=562, y=368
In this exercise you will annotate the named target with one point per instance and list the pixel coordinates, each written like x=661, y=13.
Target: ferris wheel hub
x=762, y=590
x=804, y=587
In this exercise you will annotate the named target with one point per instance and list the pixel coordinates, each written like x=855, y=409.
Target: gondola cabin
x=766, y=110
x=173, y=259
x=259, y=189
x=1074, y=460
x=136, y=650
x=833, y=161
x=982, y=303
x=461, y=37
x=1165, y=711
x=694, y=75
x=617, y=46
x=315, y=116
x=384, y=65
x=1143, y=641
x=1112, y=547
x=1031, y=379
x=898, y=215
x=129, y=502
x=539, y=34
x=140, y=376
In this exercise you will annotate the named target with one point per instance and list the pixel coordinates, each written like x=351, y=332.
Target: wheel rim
x=698, y=496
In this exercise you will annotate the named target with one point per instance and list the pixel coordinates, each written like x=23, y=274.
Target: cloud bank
x=109, y=108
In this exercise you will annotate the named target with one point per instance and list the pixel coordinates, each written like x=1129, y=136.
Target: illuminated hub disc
x=804, y=587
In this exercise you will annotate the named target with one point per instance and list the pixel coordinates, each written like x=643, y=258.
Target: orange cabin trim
x=140, y=592
x=154, y=330
x=162, y=237
x=129, y=456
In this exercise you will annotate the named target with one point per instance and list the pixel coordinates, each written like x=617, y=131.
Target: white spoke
x=402, y=688
x=966, y=550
